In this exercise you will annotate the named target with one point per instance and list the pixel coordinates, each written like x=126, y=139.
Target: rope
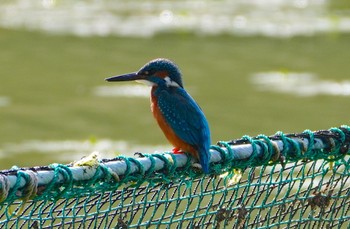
x=42, y=182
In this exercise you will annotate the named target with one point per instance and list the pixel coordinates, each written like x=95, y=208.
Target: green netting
x=288, y=181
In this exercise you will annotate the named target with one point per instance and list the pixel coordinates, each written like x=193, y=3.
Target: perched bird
x=178, y=115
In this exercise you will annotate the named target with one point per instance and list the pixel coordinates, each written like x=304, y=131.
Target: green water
x=50, y=80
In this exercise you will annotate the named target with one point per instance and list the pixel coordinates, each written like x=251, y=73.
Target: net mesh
x=311, y=192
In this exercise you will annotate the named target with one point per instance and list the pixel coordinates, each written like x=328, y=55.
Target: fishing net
x=282, y=181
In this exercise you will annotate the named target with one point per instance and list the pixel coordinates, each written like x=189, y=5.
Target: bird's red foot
x=177, y=151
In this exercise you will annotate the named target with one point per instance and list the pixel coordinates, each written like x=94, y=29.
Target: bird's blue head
x=158, y=72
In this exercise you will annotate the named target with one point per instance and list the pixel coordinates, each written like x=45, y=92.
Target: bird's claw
x=177, y=151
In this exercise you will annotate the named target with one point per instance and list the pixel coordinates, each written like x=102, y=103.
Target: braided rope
x=59, y=181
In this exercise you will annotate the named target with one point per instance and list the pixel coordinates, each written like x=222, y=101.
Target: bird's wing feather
x=185, y=117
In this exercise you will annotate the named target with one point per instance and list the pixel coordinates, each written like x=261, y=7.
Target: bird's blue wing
x=187, y=120
x=184, y=116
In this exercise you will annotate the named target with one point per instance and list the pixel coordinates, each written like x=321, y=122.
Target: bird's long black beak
x=125, y=77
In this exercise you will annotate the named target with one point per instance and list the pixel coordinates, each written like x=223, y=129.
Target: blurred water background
x=254, y=66
x=274, y=18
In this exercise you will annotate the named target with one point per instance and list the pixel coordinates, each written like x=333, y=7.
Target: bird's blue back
x=186, y=119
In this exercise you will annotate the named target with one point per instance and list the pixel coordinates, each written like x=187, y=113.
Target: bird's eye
x=146, y=73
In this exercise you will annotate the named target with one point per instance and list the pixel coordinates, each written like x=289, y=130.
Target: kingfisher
x=177, y=113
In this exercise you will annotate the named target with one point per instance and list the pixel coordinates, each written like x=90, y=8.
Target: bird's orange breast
x=168, y=131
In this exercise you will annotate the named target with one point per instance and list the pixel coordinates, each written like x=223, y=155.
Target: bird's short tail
x=204, y=159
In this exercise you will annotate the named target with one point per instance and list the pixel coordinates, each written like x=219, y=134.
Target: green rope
x=67, y=184
x=125, y=178
x=288, y=180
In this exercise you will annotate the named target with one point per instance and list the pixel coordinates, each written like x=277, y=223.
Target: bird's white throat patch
x=170, y=83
